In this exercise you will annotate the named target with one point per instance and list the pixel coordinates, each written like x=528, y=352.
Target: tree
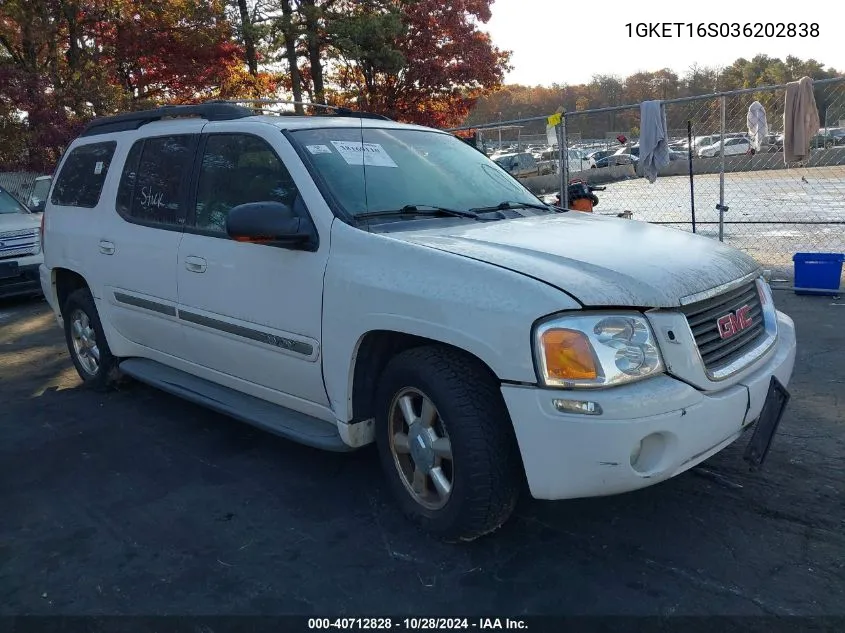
x=513, y=101
x=64, y=61
x=287, y=28
x=429, y=63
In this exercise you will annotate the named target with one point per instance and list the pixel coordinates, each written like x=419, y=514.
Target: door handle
x=106, y=247
x=195, y=264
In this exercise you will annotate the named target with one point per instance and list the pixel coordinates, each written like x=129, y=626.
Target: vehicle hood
x=18, y=221
x=600, y=261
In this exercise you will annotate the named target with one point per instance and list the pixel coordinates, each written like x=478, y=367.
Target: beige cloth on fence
x=800, y=120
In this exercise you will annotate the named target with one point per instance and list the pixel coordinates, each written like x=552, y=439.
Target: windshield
x=8, y=204
x=406, y=167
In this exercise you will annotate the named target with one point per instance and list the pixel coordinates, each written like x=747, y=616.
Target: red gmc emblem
x=734, y=322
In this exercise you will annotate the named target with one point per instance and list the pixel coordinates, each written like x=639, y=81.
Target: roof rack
x=212, y=111
x=338, y=110
x=217, y=110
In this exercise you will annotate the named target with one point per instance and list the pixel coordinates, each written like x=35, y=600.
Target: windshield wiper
x=418, y=209
x=509, y=204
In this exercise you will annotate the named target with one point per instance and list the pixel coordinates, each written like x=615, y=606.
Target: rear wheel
x=86, y=341
x=446, y=443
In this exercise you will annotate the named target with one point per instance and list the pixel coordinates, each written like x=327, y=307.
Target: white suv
x=343, y=280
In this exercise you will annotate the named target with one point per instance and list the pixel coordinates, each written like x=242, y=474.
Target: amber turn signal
x=568, y=355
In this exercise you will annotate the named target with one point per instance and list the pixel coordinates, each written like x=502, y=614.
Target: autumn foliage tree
x=516, y=101
x=423, y=61
x=65, y=61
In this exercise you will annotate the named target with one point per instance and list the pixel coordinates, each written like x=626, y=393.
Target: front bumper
x=648, y=432
x=27, y=282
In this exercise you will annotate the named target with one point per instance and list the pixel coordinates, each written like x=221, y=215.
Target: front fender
x=374, y=282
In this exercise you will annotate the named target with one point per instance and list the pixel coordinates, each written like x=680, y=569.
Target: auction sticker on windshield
x=319, y=149
x=371, y=154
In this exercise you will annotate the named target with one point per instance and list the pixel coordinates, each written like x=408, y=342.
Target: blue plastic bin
x=817, y=273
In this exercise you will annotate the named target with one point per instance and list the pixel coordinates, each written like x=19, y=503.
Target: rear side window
x=151, y=187
x=81, y=179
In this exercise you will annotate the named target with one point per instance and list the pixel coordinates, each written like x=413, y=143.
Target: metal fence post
x=691, y=180
x=721, y=206
x=563, y=155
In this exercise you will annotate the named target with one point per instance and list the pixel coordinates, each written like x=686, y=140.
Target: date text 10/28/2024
x=722, y=29
x=417, y=624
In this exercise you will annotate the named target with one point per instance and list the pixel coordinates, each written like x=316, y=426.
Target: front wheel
x=446, y=443
x=86, y=341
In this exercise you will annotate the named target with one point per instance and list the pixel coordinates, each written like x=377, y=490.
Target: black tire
x=487, y=473
x=106, y=374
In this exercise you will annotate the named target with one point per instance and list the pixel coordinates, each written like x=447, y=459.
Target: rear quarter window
x=80, y=181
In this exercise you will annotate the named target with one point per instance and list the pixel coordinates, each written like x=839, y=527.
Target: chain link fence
x=715, y=185
x=18, y=183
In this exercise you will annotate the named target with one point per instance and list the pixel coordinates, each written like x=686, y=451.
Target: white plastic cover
x=758, y=129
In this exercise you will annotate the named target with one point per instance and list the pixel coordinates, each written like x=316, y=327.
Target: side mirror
x=271, y=223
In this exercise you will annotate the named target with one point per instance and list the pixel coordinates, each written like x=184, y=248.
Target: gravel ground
x=135, y=502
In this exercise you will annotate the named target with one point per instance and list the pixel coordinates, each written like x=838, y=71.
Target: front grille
x=702, y=317
x=18, y=243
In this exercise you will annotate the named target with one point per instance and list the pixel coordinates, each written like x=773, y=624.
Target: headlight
x=596, y=350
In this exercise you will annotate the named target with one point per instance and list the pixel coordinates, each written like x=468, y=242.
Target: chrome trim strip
x=713, y=292
x=146, y=304
x=290, y=345
x=19, y=233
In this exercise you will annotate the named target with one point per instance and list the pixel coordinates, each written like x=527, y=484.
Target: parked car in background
x=519, y=164
x=38, y=196
x=699, y=142
x=633, y=150
x=733, y=146
x=828, y=138
x=774, y=143
x=598, y=154
x=549, y=160
x=20, y=248
x=615, y=160
x=578, y=160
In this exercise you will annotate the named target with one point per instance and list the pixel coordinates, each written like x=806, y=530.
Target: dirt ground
x=135, y=502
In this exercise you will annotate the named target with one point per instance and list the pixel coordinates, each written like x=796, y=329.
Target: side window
x=127, y=180
x=151, y=186
x=83, y=174
x=236, y=169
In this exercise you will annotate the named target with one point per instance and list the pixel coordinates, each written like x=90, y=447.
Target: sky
x=566, y=42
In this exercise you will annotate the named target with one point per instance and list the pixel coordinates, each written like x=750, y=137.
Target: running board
x=274, y=418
